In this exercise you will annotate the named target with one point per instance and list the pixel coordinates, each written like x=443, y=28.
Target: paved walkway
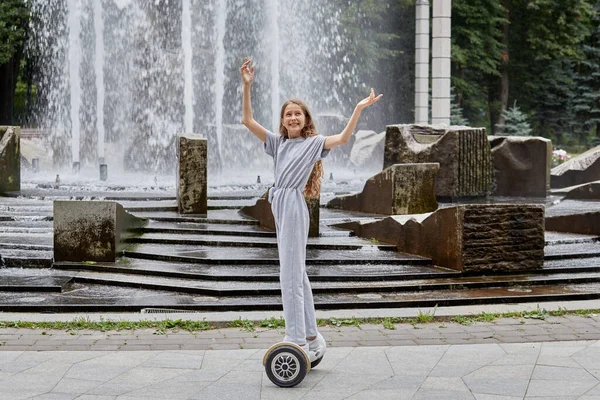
x=554, y=358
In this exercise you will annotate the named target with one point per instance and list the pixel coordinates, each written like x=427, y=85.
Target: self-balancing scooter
x=286, y=364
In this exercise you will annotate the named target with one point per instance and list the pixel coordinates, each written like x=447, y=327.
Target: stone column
x=191, y=175
x=422, y=63
x=10, y=159
x=440, y=62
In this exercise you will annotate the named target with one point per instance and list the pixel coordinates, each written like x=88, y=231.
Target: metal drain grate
x=166, y=311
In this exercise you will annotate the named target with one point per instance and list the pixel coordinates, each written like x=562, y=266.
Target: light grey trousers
x=292, y=223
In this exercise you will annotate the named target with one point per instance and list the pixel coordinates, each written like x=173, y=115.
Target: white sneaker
x=317, y=346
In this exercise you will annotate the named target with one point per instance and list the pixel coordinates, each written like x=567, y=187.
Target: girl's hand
x=364, y=103
x=247, y=72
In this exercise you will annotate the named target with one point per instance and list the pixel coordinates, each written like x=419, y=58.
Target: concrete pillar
x=422, y=63
x=440, y=62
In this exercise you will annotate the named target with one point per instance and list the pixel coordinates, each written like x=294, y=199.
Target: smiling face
x=293, y=120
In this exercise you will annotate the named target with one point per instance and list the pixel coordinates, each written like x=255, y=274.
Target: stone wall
x=468, y=238
x=10, y=159
x=463, y=153
x=192, y=195
x=91, y=230
x=398, y=189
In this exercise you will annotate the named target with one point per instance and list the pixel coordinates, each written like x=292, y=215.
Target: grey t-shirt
x=294, y=158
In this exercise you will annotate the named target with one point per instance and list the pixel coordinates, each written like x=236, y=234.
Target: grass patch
x=103, y=325
x=388, y=323
x=272, y=323
x=169, y=325
x=244, y=324
x=426, y=317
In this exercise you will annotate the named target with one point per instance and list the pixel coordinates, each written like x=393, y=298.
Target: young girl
x=296, y=151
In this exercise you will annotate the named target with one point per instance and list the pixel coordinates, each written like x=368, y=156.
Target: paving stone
x=553, y=388
x=75, y=386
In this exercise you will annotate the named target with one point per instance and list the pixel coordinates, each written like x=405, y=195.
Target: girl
x=296, y=151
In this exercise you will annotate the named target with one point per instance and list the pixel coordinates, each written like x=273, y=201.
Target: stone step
x=10, y=283
x=192, y=228
x=268, y=256
x=348, y=243
x=259, y=273
x=571, y=251
x=246, y=288
x=101, y=298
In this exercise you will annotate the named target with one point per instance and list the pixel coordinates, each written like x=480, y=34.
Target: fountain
x=120, y=79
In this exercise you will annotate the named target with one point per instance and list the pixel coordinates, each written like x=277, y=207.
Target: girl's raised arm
x=341, y=138
x=257, y=129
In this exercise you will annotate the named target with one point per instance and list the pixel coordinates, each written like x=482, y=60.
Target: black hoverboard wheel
x=286, y=364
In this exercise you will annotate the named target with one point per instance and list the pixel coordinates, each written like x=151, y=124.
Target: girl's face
x=293, y=120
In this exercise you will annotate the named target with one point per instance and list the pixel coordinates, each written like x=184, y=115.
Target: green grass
x=388, y=323
x=167, y=325
x=244, y=324
x=272, y=323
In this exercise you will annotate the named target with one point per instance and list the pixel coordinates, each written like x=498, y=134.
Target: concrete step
x=249, y=288
x=347, y=243
x=368, y=255
x=259, y=273
x=572, y=251
x=11, y=283
x=96, y=298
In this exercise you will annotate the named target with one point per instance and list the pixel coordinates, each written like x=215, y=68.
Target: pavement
x=557, y=357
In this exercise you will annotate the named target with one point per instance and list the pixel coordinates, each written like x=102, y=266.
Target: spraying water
x=220, y=71
x=275, y=101
x=186, y=45
x=99, y=71
x=74, y=9
x=164, y=67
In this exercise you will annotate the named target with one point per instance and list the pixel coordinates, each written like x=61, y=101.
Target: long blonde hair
x=313, y=187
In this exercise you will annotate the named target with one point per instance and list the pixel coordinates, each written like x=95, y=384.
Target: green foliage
x=388, y=323
x=516, y=122
x=456, y=112
x=14, y=19
x=244, y=324
x=272, y=323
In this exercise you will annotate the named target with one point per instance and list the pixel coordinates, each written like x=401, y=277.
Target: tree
x=586, y=103
x=14, y=20
x=544, y=41
x=476, y=53
x=516, y=123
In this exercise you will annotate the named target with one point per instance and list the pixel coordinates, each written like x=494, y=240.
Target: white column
x=440, y=62
x=422, y=63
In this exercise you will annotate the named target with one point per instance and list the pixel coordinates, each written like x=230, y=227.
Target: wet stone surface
x=216, y=258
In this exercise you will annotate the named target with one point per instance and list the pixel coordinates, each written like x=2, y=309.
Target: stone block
x=587, y=191
x=468, y=238
x=10, y=159
x=581, y=169
x=263, y=213
x=91, y=230
x=191, y=172
x=586, y=223
x=398, y=189
x=463, y=153
x=521, y=165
